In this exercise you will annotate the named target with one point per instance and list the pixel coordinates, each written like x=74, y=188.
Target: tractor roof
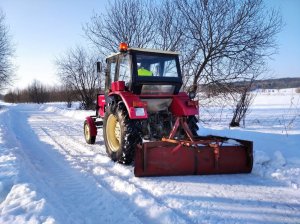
x=147, y=50
x=154, y=51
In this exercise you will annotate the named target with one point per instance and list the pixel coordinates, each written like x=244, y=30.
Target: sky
x=287, y=62
x=43, y=30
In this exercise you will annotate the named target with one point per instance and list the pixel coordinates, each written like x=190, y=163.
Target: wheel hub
x=87, y=131
x=113, y=133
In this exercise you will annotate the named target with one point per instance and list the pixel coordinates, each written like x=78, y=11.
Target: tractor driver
x=143, y=72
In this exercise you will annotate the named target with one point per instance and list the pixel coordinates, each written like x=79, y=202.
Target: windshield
x=156, y=65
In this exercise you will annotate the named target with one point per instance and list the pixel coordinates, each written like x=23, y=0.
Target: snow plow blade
x=210, y=155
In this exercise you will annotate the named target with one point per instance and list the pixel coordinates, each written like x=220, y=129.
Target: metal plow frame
x=194, y=156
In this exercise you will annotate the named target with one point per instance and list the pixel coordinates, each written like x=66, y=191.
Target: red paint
x=194, y=155
x=128, y=98
x=92, y=126
x=117, y=86
x=160, y=159
x=180, y=105
x=101, y=105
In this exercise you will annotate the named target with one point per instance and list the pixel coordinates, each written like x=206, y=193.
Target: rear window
x=157, y=66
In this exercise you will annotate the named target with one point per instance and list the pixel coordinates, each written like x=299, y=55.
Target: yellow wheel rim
x=87, y=131
x=113, y=133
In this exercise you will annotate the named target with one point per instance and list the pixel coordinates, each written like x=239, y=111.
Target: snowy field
x=48, y=174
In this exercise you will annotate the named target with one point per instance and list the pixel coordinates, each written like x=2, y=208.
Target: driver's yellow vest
x=144, y=72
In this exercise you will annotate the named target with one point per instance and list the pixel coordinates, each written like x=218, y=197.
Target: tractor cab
x=145, y=71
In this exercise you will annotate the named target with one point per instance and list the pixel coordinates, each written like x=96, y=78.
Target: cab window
x=113, y=65
x=124, y=71
x=155, y=65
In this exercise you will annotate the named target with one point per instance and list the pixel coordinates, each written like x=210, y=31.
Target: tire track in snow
x=148, y=188
x=227, y=197
x=112, y=176
x=77, y=198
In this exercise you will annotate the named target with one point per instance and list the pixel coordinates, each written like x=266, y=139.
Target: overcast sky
x=45, y=29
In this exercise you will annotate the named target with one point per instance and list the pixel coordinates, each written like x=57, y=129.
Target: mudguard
x=182, y=105
x=135, y=112
x=101, y=105
x=91, y=123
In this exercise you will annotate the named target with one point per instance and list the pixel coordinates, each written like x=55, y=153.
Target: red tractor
x=148, y=120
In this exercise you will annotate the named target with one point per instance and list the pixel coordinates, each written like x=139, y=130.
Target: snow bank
x=277, y=168
x=275, y=98
x=60, y=108
x=276, y=156
x=23, y=205
x=273, y=124
x=19, y=203
x=8, y=168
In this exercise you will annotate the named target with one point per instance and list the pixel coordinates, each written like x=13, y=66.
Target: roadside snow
x=273, y=124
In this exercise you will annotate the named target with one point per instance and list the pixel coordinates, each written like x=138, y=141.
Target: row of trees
x=37, y=92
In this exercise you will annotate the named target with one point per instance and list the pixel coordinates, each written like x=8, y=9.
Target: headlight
x=139, y=112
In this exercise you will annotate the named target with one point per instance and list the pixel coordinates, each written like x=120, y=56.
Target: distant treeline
x=281, y=83
x=39, y=93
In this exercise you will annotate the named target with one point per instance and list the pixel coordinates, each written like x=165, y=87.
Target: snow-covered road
x=50, y=175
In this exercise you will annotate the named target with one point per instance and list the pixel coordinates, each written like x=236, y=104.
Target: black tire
x=121, y=134
x=192, y=122
x=87, y=134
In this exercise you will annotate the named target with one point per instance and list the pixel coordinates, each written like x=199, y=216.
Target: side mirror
x=99, y=67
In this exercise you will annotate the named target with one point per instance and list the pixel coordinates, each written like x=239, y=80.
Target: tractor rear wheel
x=87, y=134
x=121, y=134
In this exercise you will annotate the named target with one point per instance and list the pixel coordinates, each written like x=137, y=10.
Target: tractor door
x=110, y=73
x=118, y=69
x=125, y=69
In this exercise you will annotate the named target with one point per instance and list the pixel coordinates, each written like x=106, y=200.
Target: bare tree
x=9, y=97
x=77, y=69
x=168, y=27
x=6, y=53
x=130, y=21
x=67, y=94
x=220, y=41
x=243, y=99
x=139, y=23
x=37, y=92
x=226, y=39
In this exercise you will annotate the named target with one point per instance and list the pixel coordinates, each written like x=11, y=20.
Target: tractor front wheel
x=87, y=134
x=121, y=134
